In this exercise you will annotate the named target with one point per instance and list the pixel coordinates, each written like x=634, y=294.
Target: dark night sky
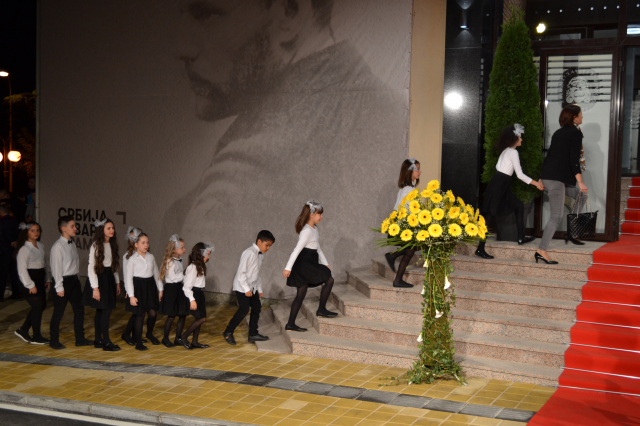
x=18, y=31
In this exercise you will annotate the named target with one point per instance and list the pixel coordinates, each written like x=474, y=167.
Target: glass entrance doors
x=631, y=113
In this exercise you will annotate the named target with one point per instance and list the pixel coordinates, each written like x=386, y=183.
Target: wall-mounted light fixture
x=453, y=100
x=541, y=28
x=463, y=19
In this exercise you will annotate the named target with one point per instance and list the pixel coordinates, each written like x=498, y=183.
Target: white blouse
x=309, y=238
x=30, y=257
x=141, y=267
x=91, y=273
x=508, y=162
x=191, y=280
x=174, y=272
x=401, y=194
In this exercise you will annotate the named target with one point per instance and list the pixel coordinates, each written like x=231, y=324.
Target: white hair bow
x=24, y=226
x=412, y=160
x=519, y=130
x=207, y=248
x=313, y=206
x=136, y=233
x=176, y=239
x=98, y=223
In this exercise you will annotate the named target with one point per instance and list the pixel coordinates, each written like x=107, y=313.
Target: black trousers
x=246, y=303
x=72, y=294
x=8, y=267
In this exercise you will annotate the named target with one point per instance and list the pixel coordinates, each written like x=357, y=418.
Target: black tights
x=195, y=329
x=101, y=325
x=407, y=255
x=38, y=303
x=302, y=293
x=179, y=326
x=151, y=322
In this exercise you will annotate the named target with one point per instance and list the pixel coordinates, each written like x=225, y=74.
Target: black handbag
x=582, y=225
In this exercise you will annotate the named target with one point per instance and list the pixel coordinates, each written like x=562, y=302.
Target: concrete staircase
x=511, y=320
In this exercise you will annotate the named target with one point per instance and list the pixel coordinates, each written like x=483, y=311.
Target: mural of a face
x=578, y=87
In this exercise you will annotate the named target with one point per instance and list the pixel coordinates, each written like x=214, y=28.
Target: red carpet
x=603, y=360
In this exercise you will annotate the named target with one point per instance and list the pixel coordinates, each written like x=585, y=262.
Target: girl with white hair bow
x=174, y=302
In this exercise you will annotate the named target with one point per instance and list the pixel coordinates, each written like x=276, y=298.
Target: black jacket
x=8, y=234
x=562, y=162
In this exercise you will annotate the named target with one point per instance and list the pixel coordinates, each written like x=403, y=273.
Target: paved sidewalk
x=112, y=379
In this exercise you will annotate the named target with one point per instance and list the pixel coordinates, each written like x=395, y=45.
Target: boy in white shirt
x=248, y=288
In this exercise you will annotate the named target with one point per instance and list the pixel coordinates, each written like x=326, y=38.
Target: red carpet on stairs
x=601, y=381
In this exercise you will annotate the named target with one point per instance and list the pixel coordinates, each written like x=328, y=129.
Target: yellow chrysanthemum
x=455, y=230
x=471, y=229
x=483, y=229
x=393, y=215
x=482, y=234
x=385, y=226
x=435, y=230
x=413, y=194
x=394, y=230
x=426, y=193
x=406, y=235
x=433, y=185
x=436, y=198
x=424, y=217
x=414, y=207
x=450, y=196
x=469, y=209
x=475, y=218
x=464, y=218
x=412, y=220
x=437, y=213
x=481, y=220
x=402, y=213
x=454, y=212
x=422, y=235
x=462, y=204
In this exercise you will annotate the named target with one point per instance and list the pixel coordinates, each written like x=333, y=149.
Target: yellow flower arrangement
x=422, y=235
x=437, y=213
x=455, y=230
x=454, y=212
x=412, y=220
x=393, y=215
x=426, y=193
x=435, y=230
x=394, y=230
x=462, y=204
x=412, y=195
x=464, y=218
x=469, y=209
x=436, y=198
x=450, y=196
x=414, y=207
x=402, y=213
x=481, y=220
x=475, y=218
x=424, y=217
x=433, y=185
x=385, y=226
x=406, y=235
x=471, y=229
x=482, y=234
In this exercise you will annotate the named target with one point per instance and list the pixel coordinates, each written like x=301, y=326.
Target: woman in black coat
x=560, y=173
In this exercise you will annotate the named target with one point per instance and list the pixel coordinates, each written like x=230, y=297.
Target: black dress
x=307, y=270
x=108, y=291
x=146, y=291
x=174, y=303
x=498, y=199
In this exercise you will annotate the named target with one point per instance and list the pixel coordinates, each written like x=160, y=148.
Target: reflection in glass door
x=584, y=80
x=631, y=114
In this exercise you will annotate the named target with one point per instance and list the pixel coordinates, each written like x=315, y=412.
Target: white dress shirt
x=247, y=277
x=191, y=280
x=174, y=272
x=64, y=261
x=91, y=273
x=30, y=257
x=141, y=267
x=509, y=161
x=309, y=238
x=401, y=194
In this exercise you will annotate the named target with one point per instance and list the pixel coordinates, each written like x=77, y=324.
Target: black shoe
x=167, y=342
x=152, y=339
x=143, y=340
x=56, y=345
x=128, y=340
x=177, y=342
x=24, y=336
x=199, y=346
x=483, y=254
x=402, y=284
x=326, y=313
x=294, y=328
x=185, y=343
x=538, y=256
x=526, y=240
x=141, y=347
x=40, y=341
x=110, y=347
x=98, y=344
x=84, y=342
x=568, y=238
x=390, y=261
x=258, y=338
x=228, y=337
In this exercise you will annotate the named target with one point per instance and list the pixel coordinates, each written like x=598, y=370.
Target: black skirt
x=146, y=292
x=174, y=303
x=308, y=271
x=108, y=291
x=498, y=199
x=201, y=310
x=39, y=277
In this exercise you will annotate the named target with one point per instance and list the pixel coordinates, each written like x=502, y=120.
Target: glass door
x=631, y=113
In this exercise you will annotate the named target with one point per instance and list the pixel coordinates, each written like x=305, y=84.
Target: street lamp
x=8, y=178
x=14, y=156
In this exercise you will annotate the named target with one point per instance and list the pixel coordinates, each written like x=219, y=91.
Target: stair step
x=607, y=336
x=523, y=268
x=599, y=382
x=606, y=313
x=633, y=203
x=632, y=215
x=610, y=361
x=634, y=191
x=579, y=255
x=614, y=274
x=611, y=293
